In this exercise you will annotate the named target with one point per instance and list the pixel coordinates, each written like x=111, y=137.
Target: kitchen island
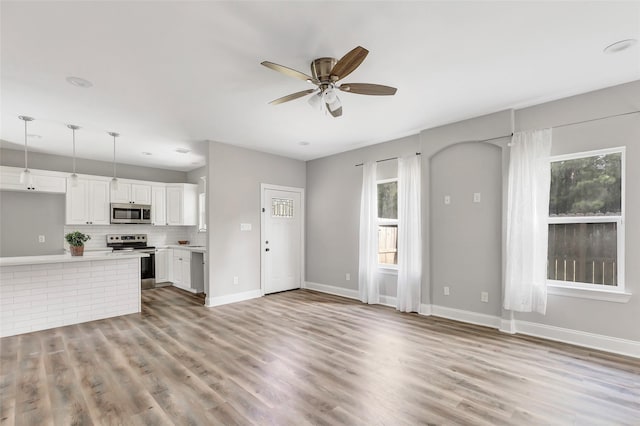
x=42, y=292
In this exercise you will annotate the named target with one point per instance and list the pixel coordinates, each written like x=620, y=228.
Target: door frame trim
x=263, y=210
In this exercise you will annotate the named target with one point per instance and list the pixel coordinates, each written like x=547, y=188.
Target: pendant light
x=114, y=181
x=73, y=179
x=25, y=175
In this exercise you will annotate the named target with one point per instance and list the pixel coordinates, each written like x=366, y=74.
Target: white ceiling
x=171, y=75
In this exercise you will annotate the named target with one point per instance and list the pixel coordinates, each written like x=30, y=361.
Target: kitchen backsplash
x=156, y=235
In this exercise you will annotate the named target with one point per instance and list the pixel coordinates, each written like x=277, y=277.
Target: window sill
x=587, y=293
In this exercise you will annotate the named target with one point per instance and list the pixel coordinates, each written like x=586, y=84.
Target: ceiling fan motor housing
x=321, y=69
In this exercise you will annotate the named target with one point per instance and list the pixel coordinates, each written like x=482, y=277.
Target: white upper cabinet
x=131, y=193
x=182, y=204
x=159, y=205
x=39, y=181
x=88, y=202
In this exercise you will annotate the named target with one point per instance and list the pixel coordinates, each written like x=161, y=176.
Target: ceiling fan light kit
x=325, y=73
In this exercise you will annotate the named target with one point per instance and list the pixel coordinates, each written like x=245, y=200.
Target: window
x=586, y=220
x=388, y=223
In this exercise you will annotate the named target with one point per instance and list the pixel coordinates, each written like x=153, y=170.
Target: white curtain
x=368, y=256
x=409, y=235
x=527, y=217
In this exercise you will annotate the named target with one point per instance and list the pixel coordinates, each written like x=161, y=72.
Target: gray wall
x=233, y=193
x=333, y=212
x=466, y=236
x=25, y=216
x=37, y=160
x=463, y=244
x=608, y=318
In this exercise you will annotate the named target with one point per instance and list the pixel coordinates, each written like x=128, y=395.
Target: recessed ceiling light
x=621, y=45
x=34, y=136
x=183, y=150
x=146, y=153
x=79, y=82
x=304, y=143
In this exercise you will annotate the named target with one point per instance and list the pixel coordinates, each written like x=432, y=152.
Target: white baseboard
x=232, y=298
x=330, y=289
x=465, y=316
x=580, y=338
x=575, y=337
x=347, y=292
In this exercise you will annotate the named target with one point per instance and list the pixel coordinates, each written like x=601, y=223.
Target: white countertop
x=197, y=249
x=64, y=258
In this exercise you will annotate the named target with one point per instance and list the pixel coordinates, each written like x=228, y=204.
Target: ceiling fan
x=325, y=74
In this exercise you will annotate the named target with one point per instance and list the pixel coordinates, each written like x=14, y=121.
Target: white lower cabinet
x=181, y=268
x=162, y=265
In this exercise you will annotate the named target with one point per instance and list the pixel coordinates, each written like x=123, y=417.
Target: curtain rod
x=553, y=127
x=386, y=159
x=596, y=119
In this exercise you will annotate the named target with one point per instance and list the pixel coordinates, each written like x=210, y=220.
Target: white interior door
x=282, y=239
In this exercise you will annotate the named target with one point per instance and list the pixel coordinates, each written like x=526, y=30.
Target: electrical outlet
x=446, y=291
x=484, y=297
x=235, y=280
x=347, y=276
x=41, y=238
x=447, y=199
x=476, y=197
x=245, y=227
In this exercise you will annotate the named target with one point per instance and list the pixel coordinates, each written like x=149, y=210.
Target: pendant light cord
x=114, y=156
x=26, y=167
x=74, y=150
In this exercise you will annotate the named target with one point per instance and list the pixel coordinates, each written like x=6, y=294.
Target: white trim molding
x=232, y=298
x=507, y=324
x=587, y=293
x=580, y=338
x=330, y=289
x=466, y=316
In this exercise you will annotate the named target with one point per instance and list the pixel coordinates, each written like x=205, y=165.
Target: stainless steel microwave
x=130, y=213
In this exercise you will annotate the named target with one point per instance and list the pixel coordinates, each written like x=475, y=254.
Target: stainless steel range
x=137, y=242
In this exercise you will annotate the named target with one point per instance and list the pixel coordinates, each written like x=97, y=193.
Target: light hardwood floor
x=302, y=357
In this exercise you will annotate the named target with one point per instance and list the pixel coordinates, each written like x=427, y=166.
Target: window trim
x=586, y=290
x=388, y=268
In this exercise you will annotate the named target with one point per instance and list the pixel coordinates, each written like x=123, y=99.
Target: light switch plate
x=476, y=197
x=447, y=199
x=245, y=227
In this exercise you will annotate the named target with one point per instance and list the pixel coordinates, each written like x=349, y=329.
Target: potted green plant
x=76, y=242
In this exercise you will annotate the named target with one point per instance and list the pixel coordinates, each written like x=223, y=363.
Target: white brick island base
x=40, y=295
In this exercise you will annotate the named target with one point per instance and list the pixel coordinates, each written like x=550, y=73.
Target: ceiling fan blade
x=336, y=112
x=348, y=63
x=292, y=97
x=288, y=71
x=368, y=89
